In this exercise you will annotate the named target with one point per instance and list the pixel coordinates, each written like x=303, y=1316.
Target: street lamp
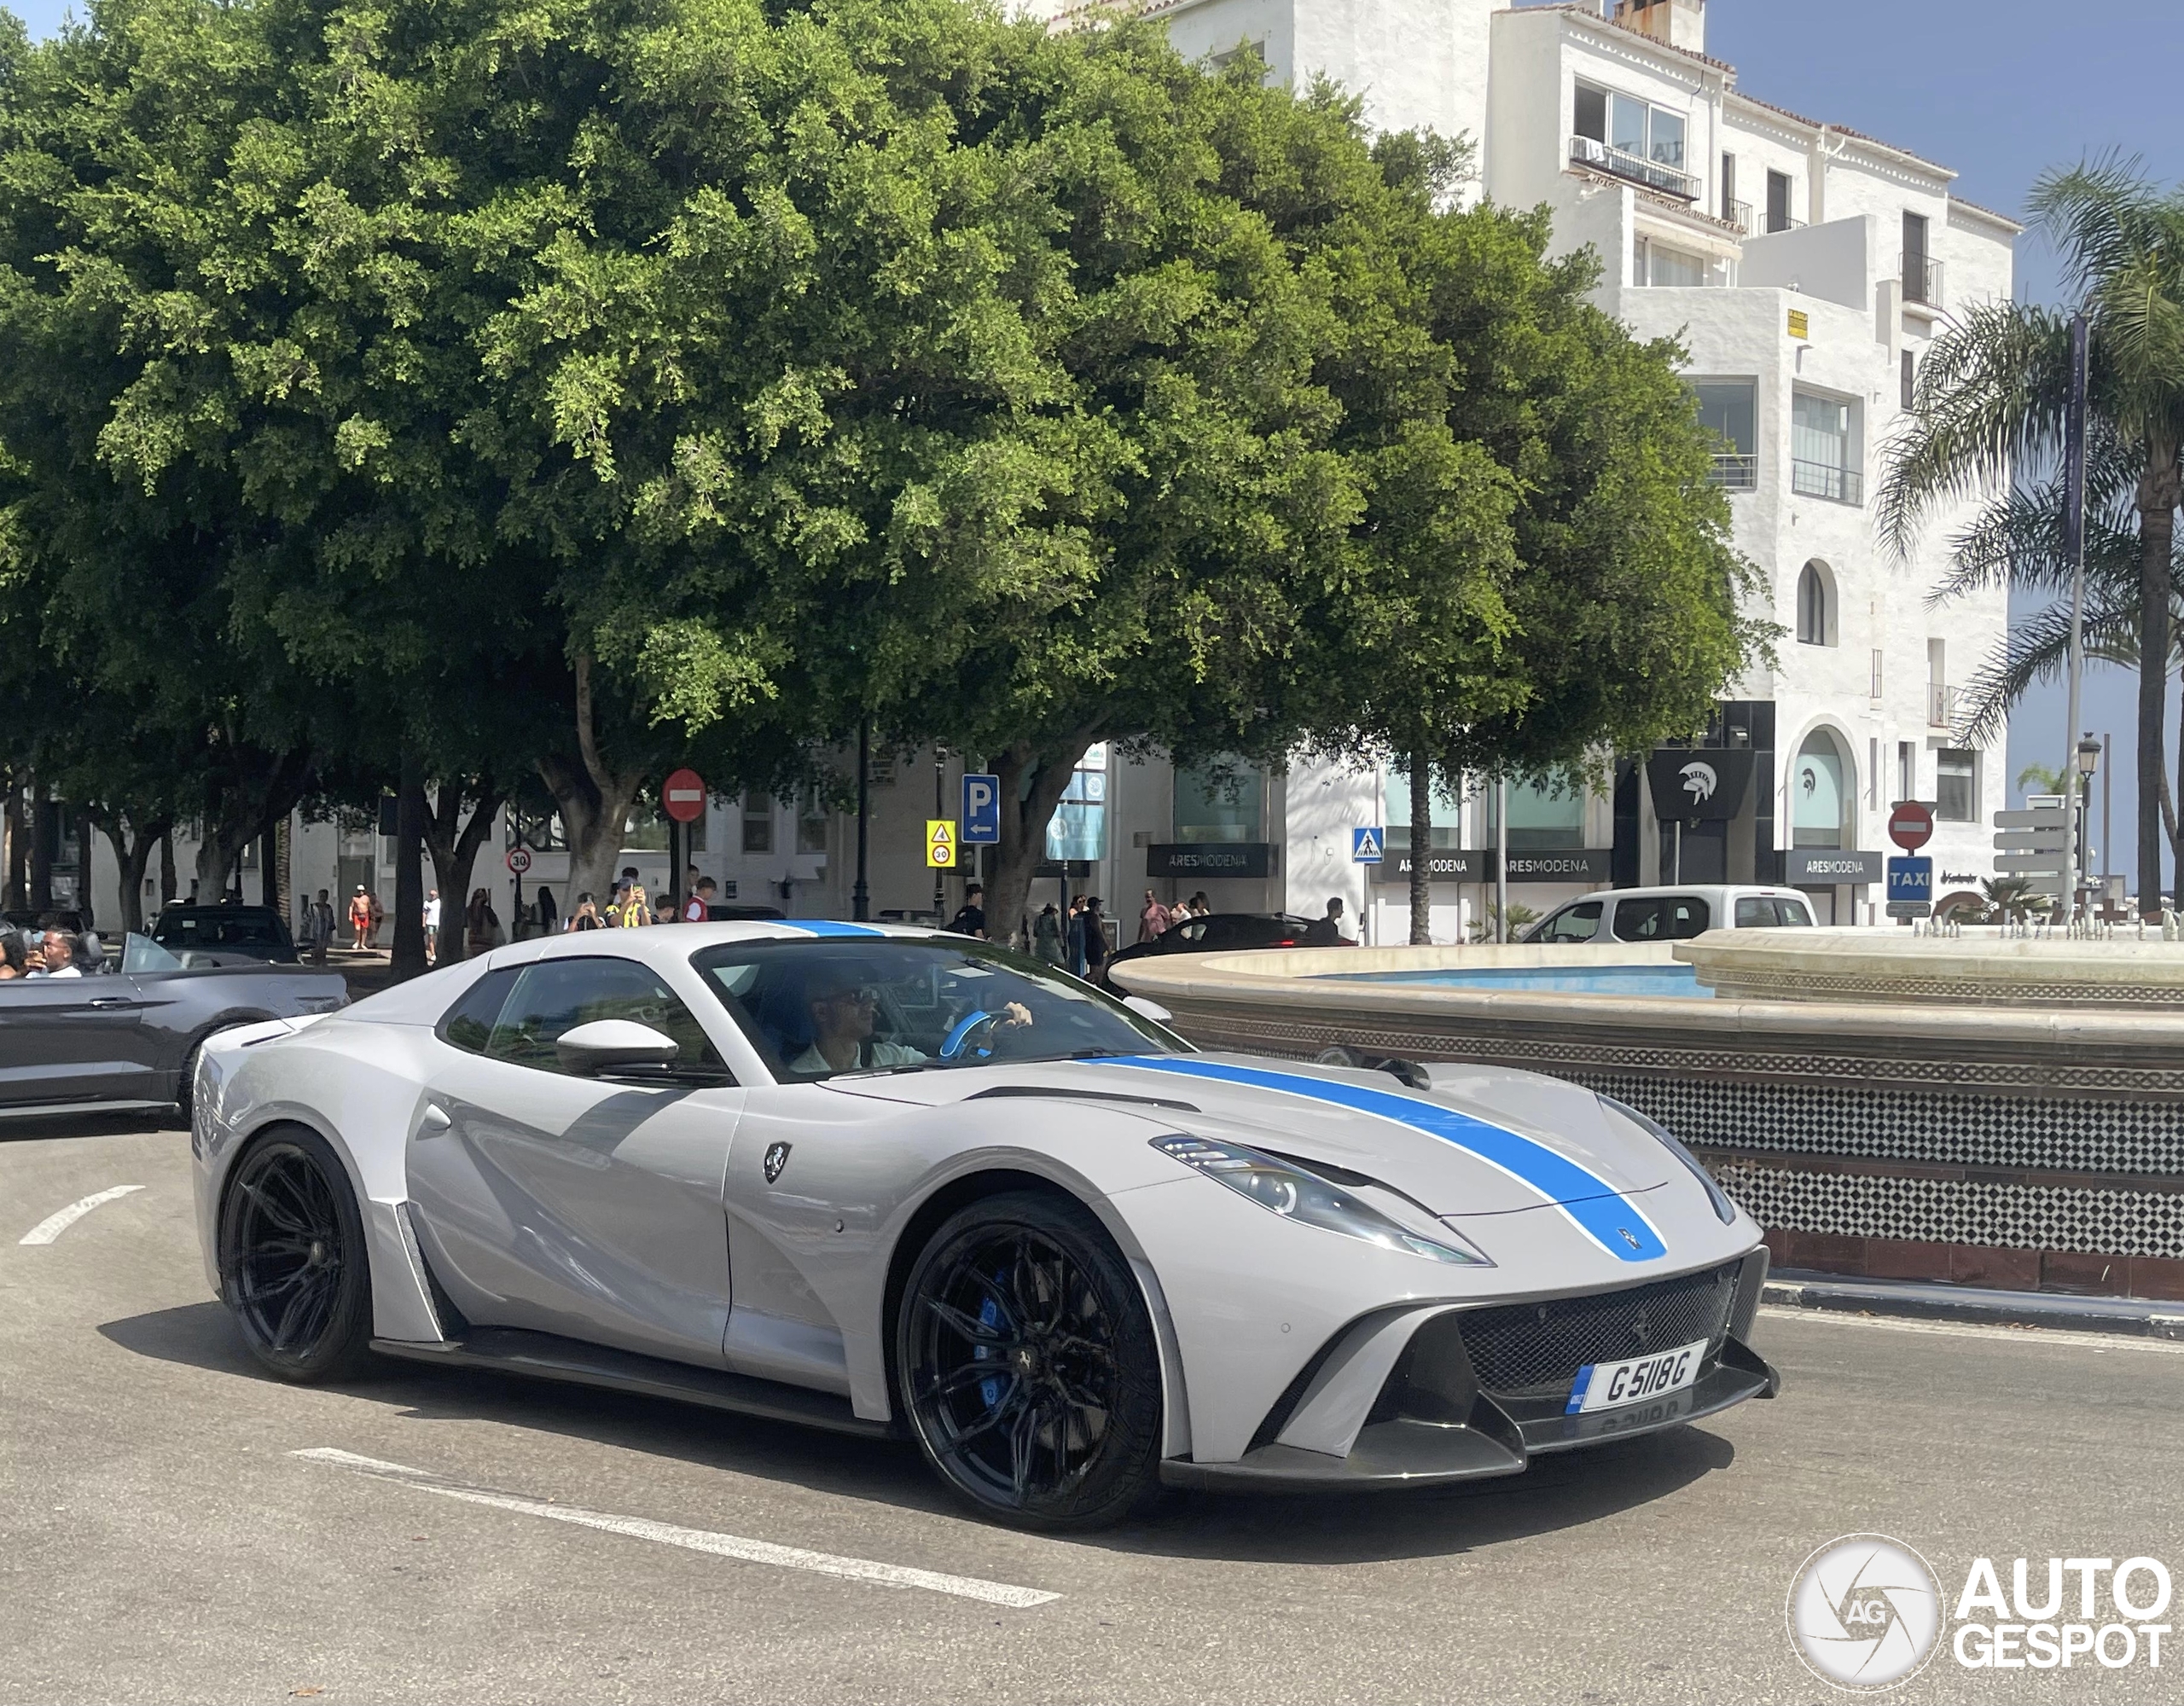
x=2089, y=761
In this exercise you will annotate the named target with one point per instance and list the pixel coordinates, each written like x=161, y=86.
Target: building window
x=1219, y=801
x=1631, y=138
x=1907, y=770
x=1815, y=605
x=1727, y=409
x=1655, y=265
x=1819, y=793
x=1956, y=786
x=758, y=823
x=1447, y=812
x=1825, y=460
x=646, y=831
x=1874, y=691
x=1078, y=829
x=811, y=819
x=1921, y=276
x=1908, y=371
x=1543, y=817
x=1778, y=202
x=1737, y=213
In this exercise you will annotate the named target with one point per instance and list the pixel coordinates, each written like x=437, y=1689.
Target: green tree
x=1993, y=390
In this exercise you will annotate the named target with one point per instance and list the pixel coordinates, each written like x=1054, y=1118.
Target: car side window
x=1756, y=911
x=553, y=996
x=1193, y=932
x=1578, y=923
x=1793, y=912
x=1638, y=920
x=1685, y=916
x=470, y=1022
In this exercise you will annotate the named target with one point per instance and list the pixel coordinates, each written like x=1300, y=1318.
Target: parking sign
x=981, y=810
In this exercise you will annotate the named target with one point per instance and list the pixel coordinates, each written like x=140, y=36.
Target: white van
x=1670, y=914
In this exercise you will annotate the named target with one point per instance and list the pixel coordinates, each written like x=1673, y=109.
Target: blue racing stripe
x=1602, y=1212
x=828, y=926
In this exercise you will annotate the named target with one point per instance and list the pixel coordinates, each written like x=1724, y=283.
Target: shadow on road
x=1561, y=1492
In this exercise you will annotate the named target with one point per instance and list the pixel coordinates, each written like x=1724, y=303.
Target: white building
x=1802, y=265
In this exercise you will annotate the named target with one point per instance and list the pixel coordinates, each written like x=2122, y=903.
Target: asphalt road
x=161, y=1540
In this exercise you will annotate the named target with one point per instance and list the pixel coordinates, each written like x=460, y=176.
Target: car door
x=585, y=1206
x=1580, y=921
x=73, y=1040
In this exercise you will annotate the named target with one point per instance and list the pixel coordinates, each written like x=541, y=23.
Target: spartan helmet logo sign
x=1698, y=781
x=776, y=1159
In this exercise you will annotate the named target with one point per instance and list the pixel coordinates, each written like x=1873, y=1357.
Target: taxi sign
x=940, y=844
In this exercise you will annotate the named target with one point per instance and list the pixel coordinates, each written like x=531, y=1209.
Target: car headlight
x=1724, y=1208
x=1284, y=1189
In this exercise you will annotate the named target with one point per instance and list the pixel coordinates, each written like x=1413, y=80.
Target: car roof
x=1713, y=892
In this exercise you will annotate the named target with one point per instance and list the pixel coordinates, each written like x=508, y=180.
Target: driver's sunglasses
x=864, y=997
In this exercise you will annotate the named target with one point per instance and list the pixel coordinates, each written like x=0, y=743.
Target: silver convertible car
x=891, y=1182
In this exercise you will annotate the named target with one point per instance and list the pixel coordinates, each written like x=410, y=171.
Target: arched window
x=1814, y=608
x=1822, y=784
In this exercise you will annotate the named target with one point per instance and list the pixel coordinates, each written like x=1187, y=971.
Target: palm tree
x=1991, y=397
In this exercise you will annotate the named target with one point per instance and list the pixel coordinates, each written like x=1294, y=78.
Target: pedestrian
x=586, y=916
x=548, y=913
x=1072, y=935
x=970, y=918
x=1095, y=925
x=1046, y=935
x=1326, y=933
x=433, y=928
x=360, y=919
x=481, y=923
x=637, y=908
x=14, y=963
x=1201, y=906
x=321, y=927
x=1152, y=922
x=698, y=908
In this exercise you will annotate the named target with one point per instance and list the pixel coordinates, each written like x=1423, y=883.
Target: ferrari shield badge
x=776, y=1159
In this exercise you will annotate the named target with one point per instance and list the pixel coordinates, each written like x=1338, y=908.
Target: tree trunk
x=19, y=850
x=2157, y=534
x=1421, y=850
x=407, y=958
x=168, y=887
x=42, y=838
x=453, y=847
x=1025, y=812
x=594, y=799
x=131, y=855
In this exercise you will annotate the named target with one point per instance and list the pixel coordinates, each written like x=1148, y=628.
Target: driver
x=842, y=1011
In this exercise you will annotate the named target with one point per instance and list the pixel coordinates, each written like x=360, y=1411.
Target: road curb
x=2128, y=1317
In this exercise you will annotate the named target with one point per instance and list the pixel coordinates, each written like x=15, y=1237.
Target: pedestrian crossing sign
x=940, y=844
x=1369, y=845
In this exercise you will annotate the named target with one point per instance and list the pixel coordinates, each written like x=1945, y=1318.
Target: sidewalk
x=1916, y=1300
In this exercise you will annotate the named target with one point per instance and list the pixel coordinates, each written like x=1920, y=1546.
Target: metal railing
x=1602, y=157
x=1784, y=224
x=1825, y=479
x=1942, y=700
x=1922, y=279
x=1734, y=471
x=1739, y=214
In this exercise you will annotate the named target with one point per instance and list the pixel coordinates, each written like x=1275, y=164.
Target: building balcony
x=1739, y=214
x=1734, y=471
x=1922, y=279
x=1824, y=480
x=1620, y=163
x=1943, y=701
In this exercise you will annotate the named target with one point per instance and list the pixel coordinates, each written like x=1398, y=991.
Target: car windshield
x=816, y=1009
x=140, y=954
x=218, y=929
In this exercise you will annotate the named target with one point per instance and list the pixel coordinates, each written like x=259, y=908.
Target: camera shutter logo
x=1699, y=781
x=1865, y=1612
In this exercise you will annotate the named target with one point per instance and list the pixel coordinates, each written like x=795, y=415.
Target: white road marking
x=2025, y=1335
x=693, y=1539
x=53, y=1225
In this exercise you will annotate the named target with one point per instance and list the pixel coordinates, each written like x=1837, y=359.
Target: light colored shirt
x=65, y=971
x=432, y=913
x=870, y=1054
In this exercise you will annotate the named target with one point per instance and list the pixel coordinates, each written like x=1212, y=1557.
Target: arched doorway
x=1823, y=791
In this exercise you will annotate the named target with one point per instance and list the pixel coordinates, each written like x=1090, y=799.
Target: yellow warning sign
x=940, y=843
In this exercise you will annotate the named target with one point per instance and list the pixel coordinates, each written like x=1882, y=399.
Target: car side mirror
x=587, y=1050
x=1152, y=1010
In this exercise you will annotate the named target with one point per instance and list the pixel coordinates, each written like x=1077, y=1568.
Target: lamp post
x=2087, y=757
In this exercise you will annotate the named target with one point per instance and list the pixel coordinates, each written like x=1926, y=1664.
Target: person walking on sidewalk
x=1152, y=922
x=1046, y=935
x=360, y=919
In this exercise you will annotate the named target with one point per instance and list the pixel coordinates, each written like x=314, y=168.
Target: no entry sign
x=1910, y=825
x=683, y=797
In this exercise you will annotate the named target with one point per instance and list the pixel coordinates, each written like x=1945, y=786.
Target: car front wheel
x=293, y=1267
x=1030, y=1370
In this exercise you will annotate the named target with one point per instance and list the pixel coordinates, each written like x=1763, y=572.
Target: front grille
x=1529, y=1349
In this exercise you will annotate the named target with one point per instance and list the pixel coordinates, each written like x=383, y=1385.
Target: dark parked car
x=1220, y=932
x=228, y=933
x=30, y=918
x=127, y=1037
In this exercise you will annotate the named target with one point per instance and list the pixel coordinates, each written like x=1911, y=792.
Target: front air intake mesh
x=1532, y=1350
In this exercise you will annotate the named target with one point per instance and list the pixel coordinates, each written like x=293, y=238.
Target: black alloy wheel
x=293, y=1267
x=1028, y=1368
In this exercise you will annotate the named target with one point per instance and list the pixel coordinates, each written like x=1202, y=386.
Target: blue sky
x=1996, y=89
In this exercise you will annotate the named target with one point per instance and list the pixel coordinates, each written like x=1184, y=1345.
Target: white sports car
x=890, y=1181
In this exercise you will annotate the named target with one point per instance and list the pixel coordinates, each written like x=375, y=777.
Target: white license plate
x=1611, y=1386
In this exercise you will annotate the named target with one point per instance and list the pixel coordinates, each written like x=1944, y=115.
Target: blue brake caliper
x=989, y=1389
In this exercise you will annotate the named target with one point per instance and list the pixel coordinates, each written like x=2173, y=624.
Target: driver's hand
x=1015, y=1016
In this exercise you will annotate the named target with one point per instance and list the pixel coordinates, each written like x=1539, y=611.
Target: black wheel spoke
x=287, y=1250
x=969, y=1325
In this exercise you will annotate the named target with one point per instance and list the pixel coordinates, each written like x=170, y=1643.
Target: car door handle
x=433, y=1121
x=111, y=1003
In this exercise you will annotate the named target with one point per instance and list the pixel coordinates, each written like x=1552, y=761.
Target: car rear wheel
x=293, y=1267
x=1028, y=1369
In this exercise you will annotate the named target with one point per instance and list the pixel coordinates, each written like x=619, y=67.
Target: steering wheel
x=970, y=1025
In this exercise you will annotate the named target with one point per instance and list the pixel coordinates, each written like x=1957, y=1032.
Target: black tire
x=184, y=1085
x=294, y=1269
x=1065, y=1433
